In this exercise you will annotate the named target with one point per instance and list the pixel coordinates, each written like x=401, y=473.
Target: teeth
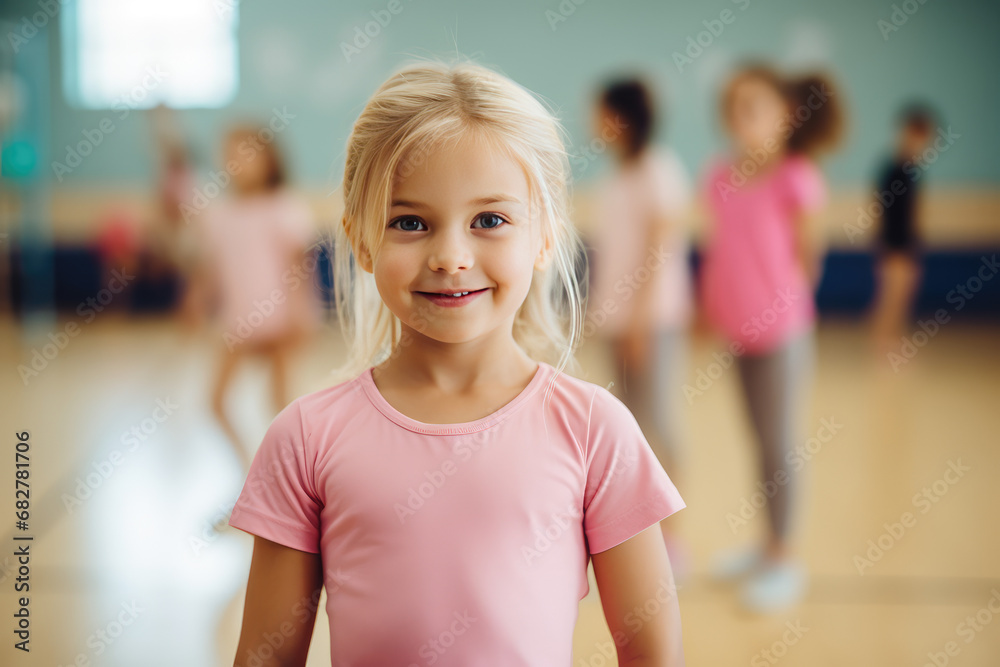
x=459, y=293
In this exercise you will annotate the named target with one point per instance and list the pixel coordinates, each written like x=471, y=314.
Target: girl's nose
x=451, y=250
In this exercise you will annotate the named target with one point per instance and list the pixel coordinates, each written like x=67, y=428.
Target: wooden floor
x=126, y=570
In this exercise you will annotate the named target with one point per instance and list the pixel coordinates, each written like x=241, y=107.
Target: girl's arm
x=809, y=247
x=809, y=200
x=280, y=611
x=919, y=214
x=634, y=578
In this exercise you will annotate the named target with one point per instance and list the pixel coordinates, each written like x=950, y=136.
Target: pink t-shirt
x=754, y=287
x=253, y=247
x=455, y=544
x=627, y=204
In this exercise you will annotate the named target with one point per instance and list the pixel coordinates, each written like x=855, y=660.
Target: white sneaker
x=775, y=586
x=733, y=564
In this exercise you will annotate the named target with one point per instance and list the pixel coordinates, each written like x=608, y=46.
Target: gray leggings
x=775, y=385
x=654, y=394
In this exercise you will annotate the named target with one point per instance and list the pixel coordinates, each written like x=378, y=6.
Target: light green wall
x=291, y=57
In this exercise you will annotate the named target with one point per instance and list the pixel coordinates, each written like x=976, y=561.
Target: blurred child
x=761, y=267
x=176, y=189
x=455, y=481
x=640, y=303
x=173, y=241
x=257, y=239
x=899, y=235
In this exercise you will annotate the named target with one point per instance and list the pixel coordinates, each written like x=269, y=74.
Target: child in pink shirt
x=757, y=281
x=756, y=288
x=640, y=301
x=257, y=267
x=451, y=487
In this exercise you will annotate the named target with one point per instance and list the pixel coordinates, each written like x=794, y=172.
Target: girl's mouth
x=451, y=300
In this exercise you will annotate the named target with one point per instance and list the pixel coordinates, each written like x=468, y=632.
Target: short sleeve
x=279, y=501
x=627, y=489
x=670, y=191
x=806, y=188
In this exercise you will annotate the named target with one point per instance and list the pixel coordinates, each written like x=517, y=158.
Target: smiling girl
x=451, y=489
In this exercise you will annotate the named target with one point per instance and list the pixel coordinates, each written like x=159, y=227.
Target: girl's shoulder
x=716, y=166
x=798, y=165
x=667, y=183
x=715, y=178
x=591, y=402
x=666, y=164
x=595, y=415
x=803, y=180
x=663, y=155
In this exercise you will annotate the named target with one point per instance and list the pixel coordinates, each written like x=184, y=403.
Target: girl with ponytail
x=761, y=267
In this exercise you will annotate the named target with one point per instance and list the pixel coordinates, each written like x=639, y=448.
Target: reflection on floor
x=128, y=569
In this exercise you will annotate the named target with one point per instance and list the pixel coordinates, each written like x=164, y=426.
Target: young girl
x=450, y=490
x=640, y=303
x=256, y=265
x=760, y=269
x=899, y=242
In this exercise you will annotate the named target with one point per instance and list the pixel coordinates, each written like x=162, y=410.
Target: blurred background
x=114, y=118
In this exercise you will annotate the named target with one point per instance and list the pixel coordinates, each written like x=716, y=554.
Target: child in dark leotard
x=898, y=194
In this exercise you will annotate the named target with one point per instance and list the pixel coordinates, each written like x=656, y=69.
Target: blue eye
x=493, y=216
x=403, y=224
x=400, y=221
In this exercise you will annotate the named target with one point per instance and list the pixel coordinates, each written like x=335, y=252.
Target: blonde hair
x=422, y=106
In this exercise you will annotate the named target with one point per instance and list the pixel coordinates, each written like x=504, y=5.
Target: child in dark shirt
x=898, y=190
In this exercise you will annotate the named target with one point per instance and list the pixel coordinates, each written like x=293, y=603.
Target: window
x=117, y=53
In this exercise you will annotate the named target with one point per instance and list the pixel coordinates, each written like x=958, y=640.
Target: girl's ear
x=364, y=260
x=544, y=253
x=360, y=252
